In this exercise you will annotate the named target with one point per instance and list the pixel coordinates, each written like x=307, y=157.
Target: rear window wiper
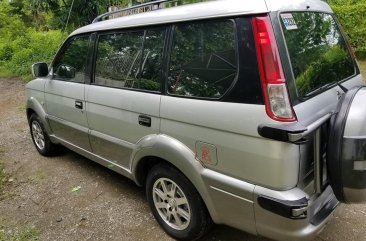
x=320, y=89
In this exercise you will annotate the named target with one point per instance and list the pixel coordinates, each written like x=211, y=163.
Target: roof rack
x=145, y=7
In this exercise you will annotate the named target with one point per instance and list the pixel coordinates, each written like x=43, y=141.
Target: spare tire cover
x=346, y=150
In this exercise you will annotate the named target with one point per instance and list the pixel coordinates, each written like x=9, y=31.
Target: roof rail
x=145, y=7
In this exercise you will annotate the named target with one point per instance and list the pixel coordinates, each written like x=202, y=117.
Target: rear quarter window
x=203, y=60
x=319, y=54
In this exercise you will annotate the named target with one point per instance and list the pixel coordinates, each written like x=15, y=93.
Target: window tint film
x=71, y=63
x=318, y=52
x=130, y=60
x=203, y=60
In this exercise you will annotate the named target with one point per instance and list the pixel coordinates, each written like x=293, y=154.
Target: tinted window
x=151, y=64
x=130, y=59
x=203, y=60
x=70, y=64
x=318, y=51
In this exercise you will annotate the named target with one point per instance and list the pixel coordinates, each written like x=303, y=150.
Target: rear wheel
x=40, y=137
x=176, y=204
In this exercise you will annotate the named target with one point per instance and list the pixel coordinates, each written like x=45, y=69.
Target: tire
x=40, y=137
x=180, y=211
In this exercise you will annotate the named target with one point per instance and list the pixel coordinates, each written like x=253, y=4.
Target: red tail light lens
x=274, y=86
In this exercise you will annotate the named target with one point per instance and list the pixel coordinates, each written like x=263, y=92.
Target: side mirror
x=40, y=70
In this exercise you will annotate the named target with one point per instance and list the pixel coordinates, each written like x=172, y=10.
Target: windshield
x=318, y=52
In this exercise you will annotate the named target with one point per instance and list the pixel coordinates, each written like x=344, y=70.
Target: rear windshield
x=318, y=52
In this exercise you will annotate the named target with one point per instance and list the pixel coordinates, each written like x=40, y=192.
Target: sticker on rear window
x=289, y=21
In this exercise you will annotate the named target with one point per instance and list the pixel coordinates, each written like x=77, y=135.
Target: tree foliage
x=351, y=14
x=34, y=29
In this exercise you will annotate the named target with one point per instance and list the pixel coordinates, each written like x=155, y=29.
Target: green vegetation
x=3, y=180
x=19, y=53
x=32, y=30
x=37, y=177
x=26, y=234
x=351, y=14
x=22, y=45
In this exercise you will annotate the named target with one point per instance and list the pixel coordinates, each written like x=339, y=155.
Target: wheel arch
x=156, y=149
x=35, y=107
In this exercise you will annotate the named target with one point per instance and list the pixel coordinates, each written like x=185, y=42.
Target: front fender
x=178, y=155
x=34, y=105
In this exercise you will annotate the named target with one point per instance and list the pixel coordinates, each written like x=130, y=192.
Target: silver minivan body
x=215, y=144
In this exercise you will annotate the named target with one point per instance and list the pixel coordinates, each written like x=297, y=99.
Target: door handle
x=78, y=104
x=144, y=120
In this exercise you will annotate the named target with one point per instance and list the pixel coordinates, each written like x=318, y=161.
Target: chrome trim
x=230, y=194
x=318, y=167
x=310, y=128
x=300, y=212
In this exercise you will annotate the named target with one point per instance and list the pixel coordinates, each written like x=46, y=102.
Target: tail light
x=278, y=105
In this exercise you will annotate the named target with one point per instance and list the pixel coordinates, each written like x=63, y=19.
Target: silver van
x=245, y=113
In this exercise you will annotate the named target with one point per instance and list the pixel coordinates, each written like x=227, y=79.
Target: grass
x=37, y=176
x=26, y=234
x=3, y=180
x=22, y=108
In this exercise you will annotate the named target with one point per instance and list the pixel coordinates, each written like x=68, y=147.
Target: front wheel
x=176, y=204
x=40, y=137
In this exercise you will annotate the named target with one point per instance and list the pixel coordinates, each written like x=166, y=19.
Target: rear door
x=123, y=101
x=319, y=67
x=319, y=57
x=64, y=93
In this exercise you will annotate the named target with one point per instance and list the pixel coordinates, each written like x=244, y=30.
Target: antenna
x=68, y=17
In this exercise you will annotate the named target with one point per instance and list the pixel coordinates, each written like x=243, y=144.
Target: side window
x=152, y=62
x=130, y=60
x=70, y=64
x=118, y=58
x=203, y=60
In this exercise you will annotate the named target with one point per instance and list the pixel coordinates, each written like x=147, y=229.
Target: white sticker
x=289, y=21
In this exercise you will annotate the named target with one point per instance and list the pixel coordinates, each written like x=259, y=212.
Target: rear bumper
x=306, y=227
x=238, y=204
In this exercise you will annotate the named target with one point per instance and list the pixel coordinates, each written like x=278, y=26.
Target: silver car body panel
x=36, y=101
x=311, y=110
x=113, y=120
x=298, y=5
x=67, y=121
x=232, y=129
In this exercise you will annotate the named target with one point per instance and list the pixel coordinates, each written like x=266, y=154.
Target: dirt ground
x=71, y=198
